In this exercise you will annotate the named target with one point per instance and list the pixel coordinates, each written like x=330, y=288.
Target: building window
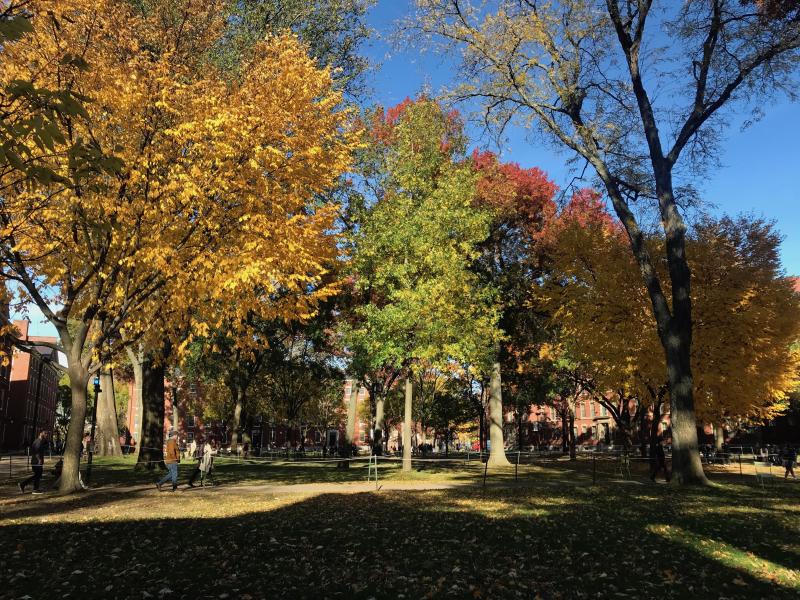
x=190, y=421
x=592, y=409
x=583, y=430
x=603, y=410
x=583, y=411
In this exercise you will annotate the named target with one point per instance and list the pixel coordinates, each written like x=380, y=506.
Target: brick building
x=33, y=389
x=593, y=424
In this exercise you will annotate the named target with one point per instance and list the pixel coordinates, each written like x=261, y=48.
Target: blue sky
x=759, y=165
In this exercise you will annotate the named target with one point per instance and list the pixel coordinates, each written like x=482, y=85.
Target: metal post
x=516, y=467
x=485, y=469
x=740, y=467
x=594, y=469
x=91, y=435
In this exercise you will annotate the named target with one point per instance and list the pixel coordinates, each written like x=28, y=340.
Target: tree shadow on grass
x=23, y=507
x=574, y=543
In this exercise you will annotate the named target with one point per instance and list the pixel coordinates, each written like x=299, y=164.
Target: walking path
x=355, y=487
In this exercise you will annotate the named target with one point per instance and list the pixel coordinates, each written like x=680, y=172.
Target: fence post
x=516, y=467
x=485, y=469
x=740, y=467
x=594, y=469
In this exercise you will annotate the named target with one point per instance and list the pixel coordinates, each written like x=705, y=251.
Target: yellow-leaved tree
x=747, y=321
x=211, y=200
x=747, y=315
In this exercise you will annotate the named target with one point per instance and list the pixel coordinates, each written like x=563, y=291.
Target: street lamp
x=97, y=391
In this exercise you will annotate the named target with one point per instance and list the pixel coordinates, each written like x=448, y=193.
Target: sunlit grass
x=731, y=556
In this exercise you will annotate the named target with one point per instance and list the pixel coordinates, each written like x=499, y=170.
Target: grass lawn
x=550, y=536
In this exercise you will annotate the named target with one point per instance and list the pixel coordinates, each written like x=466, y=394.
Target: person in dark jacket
x=789, y=458
x=38, y=449
x=658, y=461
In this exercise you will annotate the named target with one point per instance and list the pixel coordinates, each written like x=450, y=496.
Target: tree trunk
x=247, y=429
x=378, y=435
x=719, y=437
x=107, y=435
x=497, y=453
x=151, y=446
x=686, y=466
x=70, y=474
x=627, y=439
x=644, y=433
x=352, y=407
x=625, y=424
x=407, y=425
x=481, y=431
x=676, y=339
x=138, y=379
x=236, y=397
x=572, y=452
x=674, y=322
x=564, y=431
x=176, y=417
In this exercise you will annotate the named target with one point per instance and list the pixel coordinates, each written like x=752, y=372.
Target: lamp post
x=94, y=424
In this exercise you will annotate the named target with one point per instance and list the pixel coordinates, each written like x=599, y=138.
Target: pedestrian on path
x=207, y=463
x=38, y=449
x=197, y=454
x=789, y=458
x=172, y=457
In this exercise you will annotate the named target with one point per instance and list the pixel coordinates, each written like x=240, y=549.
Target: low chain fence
x=598, y=465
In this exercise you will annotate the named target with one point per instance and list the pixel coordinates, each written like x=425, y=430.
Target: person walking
x=207, y=463
x=38, y=449
x=172, y=457
x=658, y=461
x=197, y=454
x=193, y=448
x=789, y=458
